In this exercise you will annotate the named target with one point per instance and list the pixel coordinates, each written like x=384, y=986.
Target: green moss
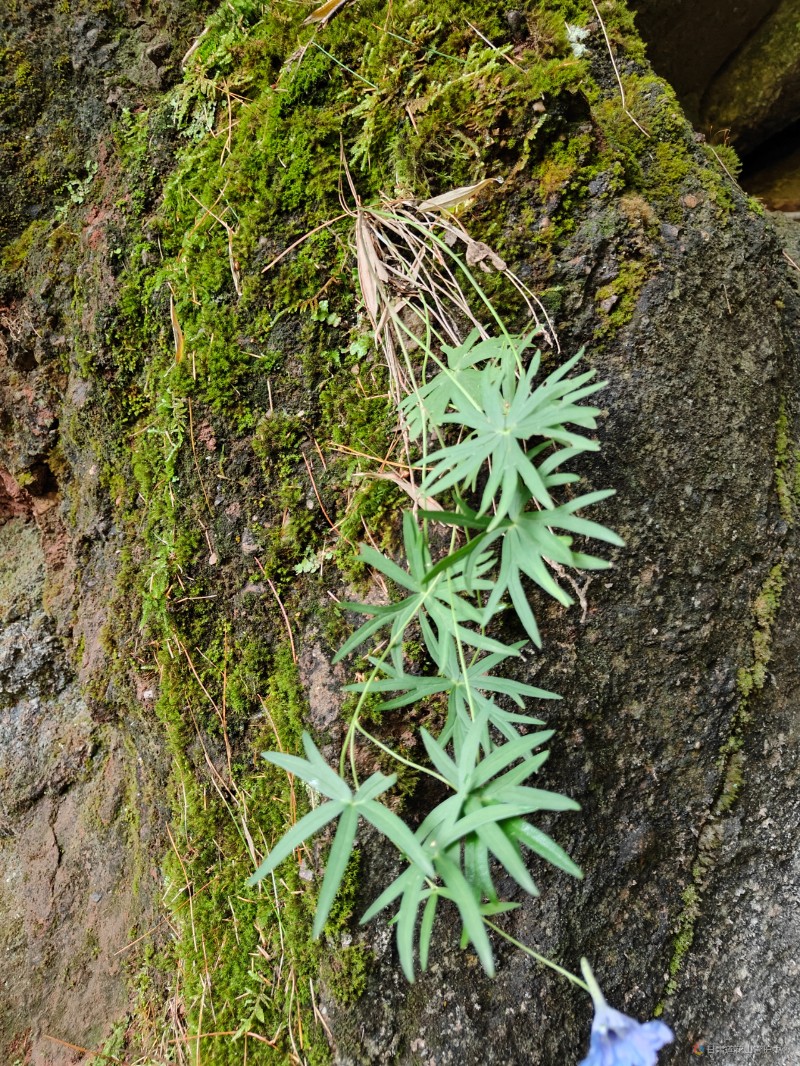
x=617, y=300
x=766, y=605
x=787, y=468
x=240, y=950
x=14, y=255
x=730, y=762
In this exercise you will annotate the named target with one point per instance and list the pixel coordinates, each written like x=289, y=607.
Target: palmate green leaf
x=440, y=759
x=348, y=807
x=527, y=542
x=482, y=815
x=466, y=691
x=476, y=867
x=505, y=849
x=458, y=889
x=485, y=816
x=392, y=891
x=441, y=604
x=322, y=780
x=511, y=412
x=505, y=754
x=459, y=377
x=532, y=799
x=396, y=830
x=426, y=929
x=407, y=919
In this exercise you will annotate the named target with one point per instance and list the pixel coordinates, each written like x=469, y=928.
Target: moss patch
x=750, y=680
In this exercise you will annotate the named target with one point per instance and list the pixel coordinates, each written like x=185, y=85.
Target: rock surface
x=757, y=93
x=690, y=41
x=661, y=264
x=706, y=358
x=74, y=874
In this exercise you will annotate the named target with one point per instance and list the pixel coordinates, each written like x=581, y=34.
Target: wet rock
x=518, y=25
x=144, y=73
x=689, y=41
x=158, y=50
x=28, y=651
x=758, y=92
x=85, y=34
x=249, y=544
x=322, y=684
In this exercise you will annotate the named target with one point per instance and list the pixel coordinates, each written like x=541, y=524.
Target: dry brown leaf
x=325, y=12
x=371, y=271
x=447, y=201
x=420, y=500
x=478, y=253
x=177, y=332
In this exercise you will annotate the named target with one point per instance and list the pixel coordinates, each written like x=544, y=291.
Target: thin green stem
x=461, y=657
x=539, y=958
x=592, y=987
x=400, y=758
x=343, y=66
x=347, y=745
x=429, y=48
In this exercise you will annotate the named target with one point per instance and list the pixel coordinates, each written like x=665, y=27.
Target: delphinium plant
x=490, y=438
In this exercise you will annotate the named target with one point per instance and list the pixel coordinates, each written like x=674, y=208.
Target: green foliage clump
x=221, y=326
x=515, y=440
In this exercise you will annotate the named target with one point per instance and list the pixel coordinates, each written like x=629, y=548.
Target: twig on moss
x=84, y=1050
x=625, y=108
x=189, y=892
x=328, y=518
x=282, y=609
x=237, y=284
x=365, y=455
x=300, y=240
x=499, y=51
x=719, y=160
x=419, y=499
x=196, y=464
x=193, y=47
x=349, y=70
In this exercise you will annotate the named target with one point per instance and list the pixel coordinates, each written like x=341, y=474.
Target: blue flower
x=618, y=1040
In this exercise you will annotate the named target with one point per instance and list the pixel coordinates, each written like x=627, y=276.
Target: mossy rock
x=220, y=377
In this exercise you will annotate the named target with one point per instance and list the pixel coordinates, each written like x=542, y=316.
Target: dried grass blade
x=325, y=12
x=427, y=503
x=456, y=197
x=372, y=273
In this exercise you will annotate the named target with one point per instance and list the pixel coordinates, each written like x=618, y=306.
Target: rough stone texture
x=689, y=41
x=79, y=856
x=757, y=94
x=648, y=676
x=65, y=70
x=649, y=685
x=777, y=183
x=74, y=873
x=743, y=972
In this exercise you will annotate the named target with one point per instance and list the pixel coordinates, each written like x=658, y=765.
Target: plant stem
x=400, y=758
x=539, y=958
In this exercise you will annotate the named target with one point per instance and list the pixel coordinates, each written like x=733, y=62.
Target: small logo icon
x=699, y=1048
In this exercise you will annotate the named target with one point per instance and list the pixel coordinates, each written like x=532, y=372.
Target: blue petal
x=618, y=1040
